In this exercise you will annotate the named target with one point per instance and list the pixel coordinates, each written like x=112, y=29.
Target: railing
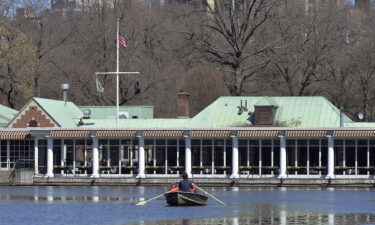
x=24, y=164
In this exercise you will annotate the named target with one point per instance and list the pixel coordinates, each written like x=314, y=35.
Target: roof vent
x=123, y=115
x=342, y=123
x=86, y=114
x=64, y=91
x=81, y=123
x=243, y=107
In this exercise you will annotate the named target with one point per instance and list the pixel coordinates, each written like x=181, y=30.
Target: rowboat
x=181, y=198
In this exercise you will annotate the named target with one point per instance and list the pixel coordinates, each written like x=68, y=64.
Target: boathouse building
x=234, y=137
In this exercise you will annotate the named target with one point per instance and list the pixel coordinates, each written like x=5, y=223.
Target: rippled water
x=116, y=205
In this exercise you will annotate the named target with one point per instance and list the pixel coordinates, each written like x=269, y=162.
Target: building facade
x=234, y=137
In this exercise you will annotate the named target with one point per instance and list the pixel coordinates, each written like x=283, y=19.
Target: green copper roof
x=265, y=101
x=6, y=115
x=65, y=114
x=300, y=112
x=291, y=112
x=360, y=124
x=137, y=123
x=109, y=112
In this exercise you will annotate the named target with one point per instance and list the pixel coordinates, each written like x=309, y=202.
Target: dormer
x=265, y=111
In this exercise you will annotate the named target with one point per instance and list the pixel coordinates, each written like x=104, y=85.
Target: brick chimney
x=183, y=104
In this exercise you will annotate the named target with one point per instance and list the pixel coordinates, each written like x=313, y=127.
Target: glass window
x=243, y=155
x=362, y=142
x=181, y=155
x=196, y=155
x=266, y=142
x=350, y=142
x=313, y=142
x=266, y=156
x=314, y=156
x=207, y=142
x=338, y=142
x=207, y=156
x=172, y=142
x=350, y=156
x=254, y=155
x=172, y=154
x=114, y=142
x=253, y=142
x=242, y=142
x=301, y=142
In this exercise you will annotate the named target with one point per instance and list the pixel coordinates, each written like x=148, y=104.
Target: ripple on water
x=115, y=205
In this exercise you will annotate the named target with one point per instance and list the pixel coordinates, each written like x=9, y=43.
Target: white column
x=141, y=158
x=331, y=158
x=49, y=157
x=121, y=157
x=95, y=157
x=36, y=153
x=260, y=157
x=308, y=157
x=154, y=155
x=235, y=173
x=272, y=155
x=188, y=155
x=8, y=154
x=282, y=173
x=320, y=156
x=295, y=155
x=356, y=157
x=85, y=157
x=131, y=156
x=344, y=156
x=368, y=156
x=200, y=155
x=178, y=153
x=166, y=157
x=63, y=155
x=212, y=157
x=108, y=155
x=225, y=157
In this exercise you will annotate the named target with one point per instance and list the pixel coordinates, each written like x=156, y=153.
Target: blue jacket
x=185, y=185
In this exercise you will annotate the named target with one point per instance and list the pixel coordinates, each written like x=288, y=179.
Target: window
x=264, y=115
x=33, y=123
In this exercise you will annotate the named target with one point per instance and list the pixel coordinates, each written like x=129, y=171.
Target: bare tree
x=226, y=36
x=310, y=37
x=204, y=85
x=18, y=65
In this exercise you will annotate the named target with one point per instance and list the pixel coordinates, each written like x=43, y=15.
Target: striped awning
x=209, y=133
x=257, y=133
x=115, y=133
x=162, y=133
x=70, y=133
x=353, y=133
x=12, y=135
x=306, y=133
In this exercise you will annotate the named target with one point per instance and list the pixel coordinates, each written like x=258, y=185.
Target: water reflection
x=115, y=205
x=67, y=198
x=273, y=217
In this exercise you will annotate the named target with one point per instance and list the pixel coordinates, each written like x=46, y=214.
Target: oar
x=146, y=201
x=210, y=195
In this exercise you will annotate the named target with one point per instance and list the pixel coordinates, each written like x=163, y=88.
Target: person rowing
x=185, y=184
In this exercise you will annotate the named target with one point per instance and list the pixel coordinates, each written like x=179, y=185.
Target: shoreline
x=223, y=182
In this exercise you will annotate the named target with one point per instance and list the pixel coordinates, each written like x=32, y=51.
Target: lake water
x=116, y=205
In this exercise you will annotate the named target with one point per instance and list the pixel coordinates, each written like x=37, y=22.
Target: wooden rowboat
x=185, y=199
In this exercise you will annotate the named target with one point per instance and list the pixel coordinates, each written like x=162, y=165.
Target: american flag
x=121, y=41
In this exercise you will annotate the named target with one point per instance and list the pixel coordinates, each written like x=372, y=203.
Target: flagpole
x=117, y=75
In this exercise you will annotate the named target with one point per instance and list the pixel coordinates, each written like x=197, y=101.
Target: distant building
x=78, y=5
